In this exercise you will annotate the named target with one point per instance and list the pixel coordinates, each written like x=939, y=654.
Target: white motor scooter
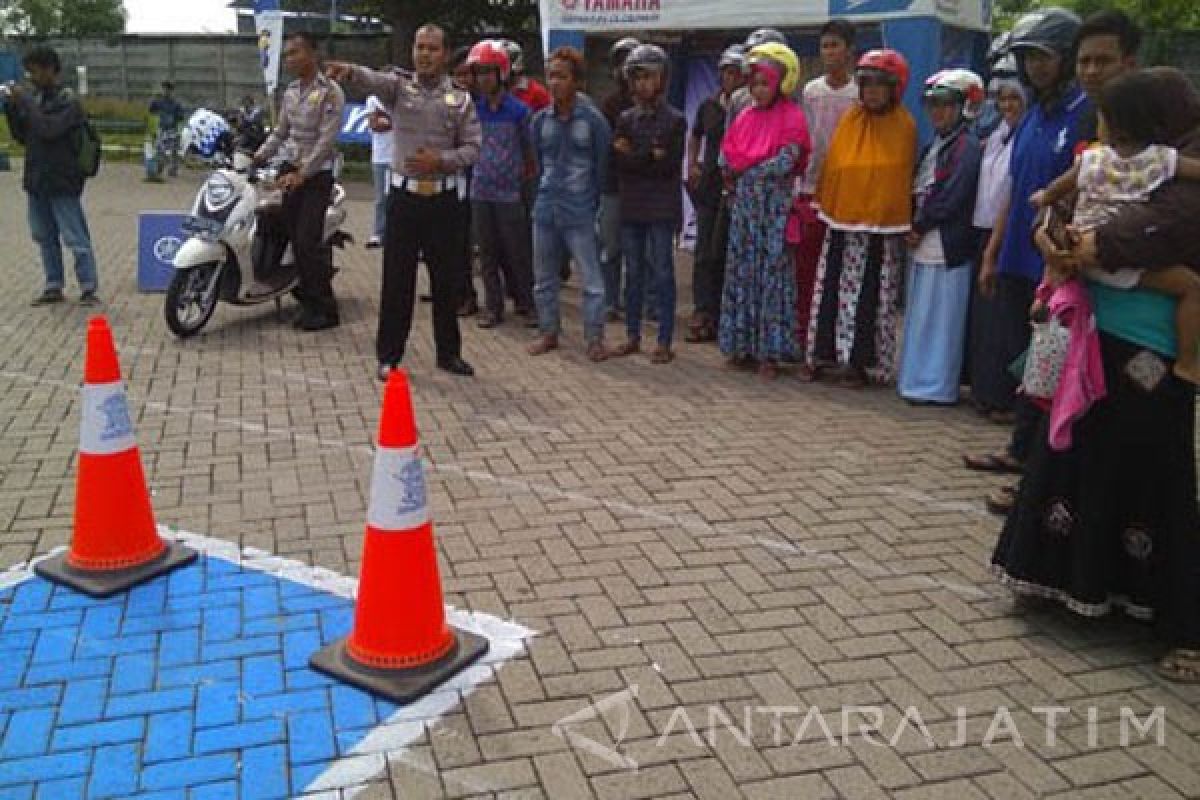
x=237, y=250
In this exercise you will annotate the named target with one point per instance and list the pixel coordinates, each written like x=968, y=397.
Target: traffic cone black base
x=400, y=685
x=105, y=583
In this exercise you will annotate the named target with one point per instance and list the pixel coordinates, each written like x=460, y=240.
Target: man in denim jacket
x=571, y=142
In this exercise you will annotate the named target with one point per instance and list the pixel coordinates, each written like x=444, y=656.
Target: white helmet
x=961, y=83
x=203, y=133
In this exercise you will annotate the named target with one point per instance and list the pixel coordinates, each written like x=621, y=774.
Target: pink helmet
x=490, y=53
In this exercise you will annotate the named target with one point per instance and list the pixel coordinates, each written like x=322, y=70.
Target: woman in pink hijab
x=763, y=151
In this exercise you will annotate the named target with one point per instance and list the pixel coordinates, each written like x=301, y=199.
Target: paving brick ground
x=718, y=544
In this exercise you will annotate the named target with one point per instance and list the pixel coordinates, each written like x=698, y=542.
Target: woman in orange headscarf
x=864, y=195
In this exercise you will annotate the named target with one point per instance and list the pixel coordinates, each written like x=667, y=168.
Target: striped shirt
x=310, y=118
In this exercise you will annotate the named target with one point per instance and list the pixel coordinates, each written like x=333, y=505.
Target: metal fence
x=210, y=70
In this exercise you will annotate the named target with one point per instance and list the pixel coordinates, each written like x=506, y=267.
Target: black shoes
x=48, y=297
x=88, y=298
x=456, y=366
x=312, y=321
x=385, y=370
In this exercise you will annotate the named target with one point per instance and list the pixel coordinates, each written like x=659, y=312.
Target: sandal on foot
x=597, y=352
x=1180, y=666
x=1001, y=501
x=1001, y=463
x=850, y=380
x=807, y=374
x=662, y=355
x=739, y=362
x=630, y=347
x=542, y=345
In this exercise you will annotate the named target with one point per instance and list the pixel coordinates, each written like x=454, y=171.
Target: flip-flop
x=1001, y=501
x=1180, y=666
x=1000, y=463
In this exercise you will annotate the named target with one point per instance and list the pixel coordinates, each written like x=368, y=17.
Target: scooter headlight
x=218, y=192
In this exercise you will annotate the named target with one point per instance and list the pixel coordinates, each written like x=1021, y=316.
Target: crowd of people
x=1041, y=242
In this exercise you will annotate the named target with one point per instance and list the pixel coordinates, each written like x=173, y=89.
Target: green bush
x=112, y=108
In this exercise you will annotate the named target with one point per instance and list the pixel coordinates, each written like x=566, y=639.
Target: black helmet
x=998, y=49
x=734, y=56
x=764, y=35
x=621, y=50
x=645, y=56
x=1051, y=30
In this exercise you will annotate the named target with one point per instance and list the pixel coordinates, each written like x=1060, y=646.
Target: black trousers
x=467, y=286
x=433, y=227
x=708, y=274
x=501, y=231
x=304, y=211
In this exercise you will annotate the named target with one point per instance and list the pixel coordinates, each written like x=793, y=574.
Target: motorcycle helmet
x=764, y=35
x=998, y=50
x=620, y=51
x=1051, y=30
x=516, y=56
x=645, y=57
x=886, y=63
x=962, y=85
x=206, y=132
x=490, y=53
x=734, y=56
x=781, y=57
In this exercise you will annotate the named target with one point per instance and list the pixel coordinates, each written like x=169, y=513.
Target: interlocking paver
x=687, y=530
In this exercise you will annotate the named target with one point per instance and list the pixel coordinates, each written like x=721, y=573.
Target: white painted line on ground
x=929, y=501
x=306, y=380
x=694, y=527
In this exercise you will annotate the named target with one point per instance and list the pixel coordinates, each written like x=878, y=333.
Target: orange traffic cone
x=115, y=544
x=400, y=647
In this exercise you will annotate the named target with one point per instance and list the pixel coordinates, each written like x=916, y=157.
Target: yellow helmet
x=782, y=56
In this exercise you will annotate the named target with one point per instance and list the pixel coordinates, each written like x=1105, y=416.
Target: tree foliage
x=62, y=17
x=461, y=17
x=1154, y=15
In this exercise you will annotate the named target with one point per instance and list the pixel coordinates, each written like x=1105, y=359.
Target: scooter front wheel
x=192, y=298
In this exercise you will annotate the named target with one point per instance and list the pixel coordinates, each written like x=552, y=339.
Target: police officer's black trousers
x=304, y=209
x=432, y=226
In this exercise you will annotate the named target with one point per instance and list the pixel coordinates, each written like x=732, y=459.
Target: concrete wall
x=208, y=70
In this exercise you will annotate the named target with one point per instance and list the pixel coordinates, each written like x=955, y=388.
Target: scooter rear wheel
x=191, y=299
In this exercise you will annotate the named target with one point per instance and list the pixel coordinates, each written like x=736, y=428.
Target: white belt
x=425, y=187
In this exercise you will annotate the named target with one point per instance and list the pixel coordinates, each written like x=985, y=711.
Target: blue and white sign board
x=159, y=238
x=354, y=125
x=616, y=15
x=197, y=685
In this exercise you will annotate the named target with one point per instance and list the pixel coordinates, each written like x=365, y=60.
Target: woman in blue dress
x=764, y=150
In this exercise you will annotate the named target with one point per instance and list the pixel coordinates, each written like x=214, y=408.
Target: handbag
x=1045, y=359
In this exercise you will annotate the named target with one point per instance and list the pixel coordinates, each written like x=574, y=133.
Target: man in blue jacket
x=48, y=121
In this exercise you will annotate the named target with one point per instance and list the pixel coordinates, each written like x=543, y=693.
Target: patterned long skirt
x=758, y=305
x=854, y=307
